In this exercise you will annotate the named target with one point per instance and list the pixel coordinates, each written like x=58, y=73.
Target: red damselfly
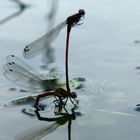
x=36, y=46
x=71, y=21
x=19, y=72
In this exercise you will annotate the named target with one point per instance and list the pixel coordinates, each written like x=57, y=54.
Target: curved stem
x=66, y=59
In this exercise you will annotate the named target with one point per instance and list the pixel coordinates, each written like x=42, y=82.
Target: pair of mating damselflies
x=15, y=71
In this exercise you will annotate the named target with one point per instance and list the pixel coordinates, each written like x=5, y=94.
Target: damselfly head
x=81, y=12
x=10, y=63
x=74, y=19
x=72, y=116
x=73, y=95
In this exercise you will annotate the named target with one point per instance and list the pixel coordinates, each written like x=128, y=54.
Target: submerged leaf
x=77, y=83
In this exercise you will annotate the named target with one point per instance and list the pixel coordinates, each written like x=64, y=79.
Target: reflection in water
x=137, y=67
x=137, y=107
x=52, y=13
x=21, y=6
x=63, y=119
x=39, y=132
x=47, y=57
x=136, y=41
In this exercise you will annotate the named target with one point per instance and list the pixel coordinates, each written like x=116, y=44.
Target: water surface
x=103, y=50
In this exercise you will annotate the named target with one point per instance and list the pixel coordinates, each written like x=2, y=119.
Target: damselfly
x=19, y=72
x=71, y=21
x=36, y=46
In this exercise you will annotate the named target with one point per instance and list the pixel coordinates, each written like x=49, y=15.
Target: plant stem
x=66, y=59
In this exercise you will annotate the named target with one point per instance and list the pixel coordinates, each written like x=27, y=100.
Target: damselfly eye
x=10, y=63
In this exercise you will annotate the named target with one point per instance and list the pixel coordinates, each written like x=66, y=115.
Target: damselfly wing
x=19, y=72
x=36, y=46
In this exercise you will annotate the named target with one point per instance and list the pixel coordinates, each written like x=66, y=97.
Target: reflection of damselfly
x=39, y=132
